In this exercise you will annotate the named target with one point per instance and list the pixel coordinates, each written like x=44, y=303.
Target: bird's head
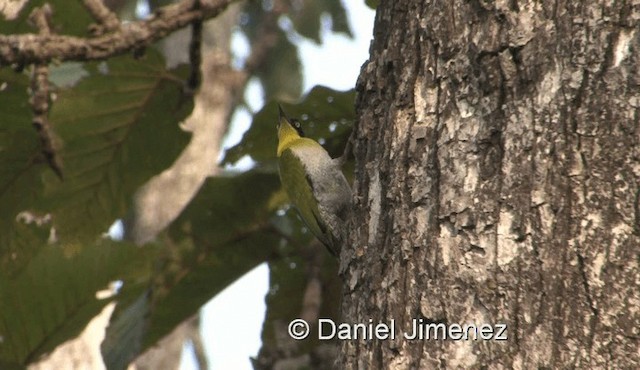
x=288, y=126
x=288, y=130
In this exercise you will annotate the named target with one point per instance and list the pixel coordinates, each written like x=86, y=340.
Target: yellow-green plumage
x=314, y=182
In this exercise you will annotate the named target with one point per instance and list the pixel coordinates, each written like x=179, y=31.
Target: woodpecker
x=314, y=183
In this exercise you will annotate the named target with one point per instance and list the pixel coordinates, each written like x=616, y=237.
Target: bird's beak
x=282, y=117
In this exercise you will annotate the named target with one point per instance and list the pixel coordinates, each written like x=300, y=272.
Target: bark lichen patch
x=622, y=46
x=445, y=242
x=421, y=221
x=549, y=86
x=507, y=248
x=425, y=99
x=461, y=355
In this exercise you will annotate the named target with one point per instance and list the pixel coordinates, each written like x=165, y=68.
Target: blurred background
x=239, y=309
x=169, y=243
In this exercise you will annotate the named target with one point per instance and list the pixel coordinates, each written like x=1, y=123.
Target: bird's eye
x=297, y=126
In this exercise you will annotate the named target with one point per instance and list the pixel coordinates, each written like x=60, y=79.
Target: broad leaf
x=21, y=242
x=289, y=281
x=119, y=127
x=69, y=18
x=53, y=298
x=21, y=164
x=326, y=115
x=224, y=233
x=339, y=20
x=281, y=72
x=307, y=17
x=373, y=4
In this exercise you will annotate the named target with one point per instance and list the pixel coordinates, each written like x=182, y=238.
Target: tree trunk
x=498, y=183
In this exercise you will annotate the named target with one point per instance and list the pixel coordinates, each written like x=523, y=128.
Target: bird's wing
x=301, y=193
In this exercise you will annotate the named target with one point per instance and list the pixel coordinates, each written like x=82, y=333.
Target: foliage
x=73, y=20
x=110, y=125
x=373, y=4
x=20, y=168
x=281, y=72
x=117, y=125
x=326, y=115
x=52, y=298
x=212, y=244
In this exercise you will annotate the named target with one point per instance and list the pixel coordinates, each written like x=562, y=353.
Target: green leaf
x=228, y=205
x=339, y=20
x=224, y=232
x=373, y=4
x=288, y=280
x=123, y=339
x=229, y=224
x=119, y=127
x=320, y=110
x=69, y=18
x=306, y=18
x=15, y=112
x=281, y=72
x=307, y=15
x=21, y=242
x=21, y=165
x=53, y=298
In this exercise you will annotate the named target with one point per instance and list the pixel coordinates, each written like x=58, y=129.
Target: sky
x=232, y=321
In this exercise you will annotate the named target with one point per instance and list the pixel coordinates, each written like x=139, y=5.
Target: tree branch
x=31, y=48
x=40, y=94
x=107, y=20
x=266, y=40
x=195, y=53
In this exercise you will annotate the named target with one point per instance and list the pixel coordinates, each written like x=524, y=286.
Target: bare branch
x=195, y=336
x=312, y=298
x=266, y=40
x=195, y=53
x=31, y=48
x=40, y=17
x=107, y=20
x=40, y=95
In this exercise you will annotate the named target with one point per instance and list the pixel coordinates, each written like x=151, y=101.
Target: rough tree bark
x=498, y=181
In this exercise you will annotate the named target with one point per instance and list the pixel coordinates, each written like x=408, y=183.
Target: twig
x=40, y=95
x=107, y=20
x=195, y=53
x=267, y=39
x=312, y=298
x=195, y=335
x=260, y=48
x=340, y=161
x=31, y=48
